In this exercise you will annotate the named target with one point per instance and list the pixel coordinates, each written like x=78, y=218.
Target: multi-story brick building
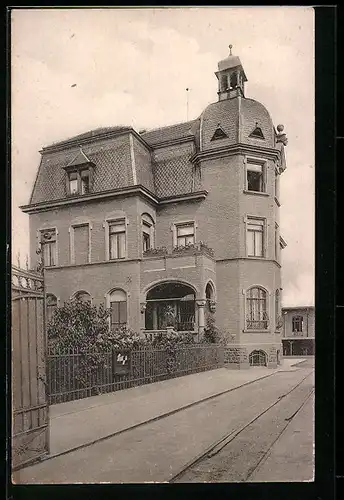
x=168, y=225
x=298, y=334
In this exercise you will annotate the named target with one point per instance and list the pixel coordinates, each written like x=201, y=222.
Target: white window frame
x=72, y=241
x=177, y=224
x=256, y=161
x=268, y=309
x=147, y=219
x=38, y=236
x=78, y=172
x=300, y=317
x=108, y=221
x=249, y=218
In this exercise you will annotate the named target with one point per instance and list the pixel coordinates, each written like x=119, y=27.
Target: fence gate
x=30, y=420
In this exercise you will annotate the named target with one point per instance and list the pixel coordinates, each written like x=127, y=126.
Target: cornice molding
x=235, y=149
x=127, y=191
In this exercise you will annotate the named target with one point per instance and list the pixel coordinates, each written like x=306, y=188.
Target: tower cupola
x=231, y=77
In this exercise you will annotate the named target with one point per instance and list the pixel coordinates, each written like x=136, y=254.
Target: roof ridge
x=168, y=126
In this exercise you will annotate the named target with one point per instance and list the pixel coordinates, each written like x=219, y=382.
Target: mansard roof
x=157, y=159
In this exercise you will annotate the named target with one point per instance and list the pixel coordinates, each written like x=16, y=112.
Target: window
x=51, y=305
x=219, y=134
x=256, y=309
x=255, y=237
x=297, y=324
x=73, y=183
x=147, y=232
x=118, y=306
x=79, y=182
x=276, y=185
x=117, y=243
x=48, y=242
x=85, y=181
x=277, y=308
x=82, y=296
x=255, y=173
x=224, y=82
x=80, y=244
x=258, y=358
x=277, y=244
x=185, y=234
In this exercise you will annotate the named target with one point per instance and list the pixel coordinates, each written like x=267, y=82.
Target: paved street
x=158, y=450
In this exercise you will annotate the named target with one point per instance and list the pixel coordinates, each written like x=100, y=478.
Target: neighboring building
x=165, y=226
x=298, y=331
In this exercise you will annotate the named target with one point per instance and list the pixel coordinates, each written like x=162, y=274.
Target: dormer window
x=79, y=182
x=79, y=175
x=85, y=181
x=73, y=183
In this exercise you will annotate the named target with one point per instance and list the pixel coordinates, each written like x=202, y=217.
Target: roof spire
x=230, y=49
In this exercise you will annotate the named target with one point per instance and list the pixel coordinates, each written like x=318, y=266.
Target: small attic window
x=257, y=133
x=219, y=134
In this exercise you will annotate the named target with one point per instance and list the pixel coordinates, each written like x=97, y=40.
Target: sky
x=74, y=70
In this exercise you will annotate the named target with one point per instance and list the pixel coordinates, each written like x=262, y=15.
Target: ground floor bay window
x=170, y=305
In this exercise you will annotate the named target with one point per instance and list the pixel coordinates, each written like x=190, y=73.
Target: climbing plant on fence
x=81, y=348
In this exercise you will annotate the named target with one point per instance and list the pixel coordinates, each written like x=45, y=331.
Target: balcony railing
x=256, y=325
x=200, y=248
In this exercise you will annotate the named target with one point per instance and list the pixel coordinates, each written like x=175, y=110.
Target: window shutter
x=81, y=244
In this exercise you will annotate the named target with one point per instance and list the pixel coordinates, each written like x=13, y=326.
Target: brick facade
x=175, y=175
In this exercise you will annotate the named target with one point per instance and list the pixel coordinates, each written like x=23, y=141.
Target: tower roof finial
x=230, y=49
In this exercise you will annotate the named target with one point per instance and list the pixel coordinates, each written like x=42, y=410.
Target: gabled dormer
x=79, y=175
x=231, y=77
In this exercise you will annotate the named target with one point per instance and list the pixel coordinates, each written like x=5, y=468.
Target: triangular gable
x=257, y=133
x=219, y=134
x=80, y=159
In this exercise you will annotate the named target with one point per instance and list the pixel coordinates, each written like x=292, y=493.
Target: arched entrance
x=170, y=304
x=258, y=358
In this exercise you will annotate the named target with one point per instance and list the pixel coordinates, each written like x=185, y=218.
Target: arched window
x=148, y=232
x=51, y=305
x=256, y=309
x=258, y=358
x=118, y=306
x=82, y=296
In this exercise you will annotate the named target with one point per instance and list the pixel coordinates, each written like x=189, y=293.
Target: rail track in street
x=194, y=472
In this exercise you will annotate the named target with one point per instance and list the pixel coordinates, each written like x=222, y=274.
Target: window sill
x=256, y=257
x=258, y=193
x=257, y=331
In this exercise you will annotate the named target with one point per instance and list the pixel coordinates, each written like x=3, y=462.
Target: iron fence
x=144, y=366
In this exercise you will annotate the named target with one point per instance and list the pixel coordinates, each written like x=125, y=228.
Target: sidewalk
x=78, y=423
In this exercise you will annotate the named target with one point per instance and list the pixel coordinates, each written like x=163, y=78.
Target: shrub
x=212, y=334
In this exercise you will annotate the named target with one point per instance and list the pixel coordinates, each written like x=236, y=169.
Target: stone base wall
x=237, y=356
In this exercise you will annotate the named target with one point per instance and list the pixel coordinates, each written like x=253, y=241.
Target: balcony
x=164, y=263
